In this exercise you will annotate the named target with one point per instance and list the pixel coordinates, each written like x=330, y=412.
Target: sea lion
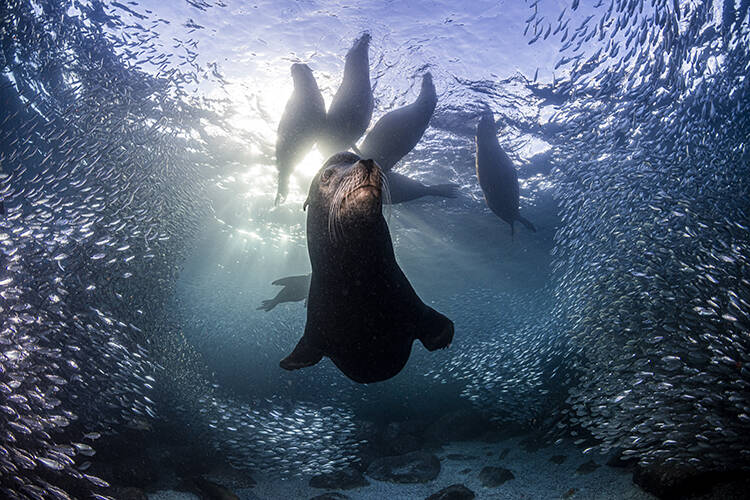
x=397, y=132
x=496, y=173
x=300, y=125
x=350, y=111
x=403, y=188
x=362, y=312
x=295, y=288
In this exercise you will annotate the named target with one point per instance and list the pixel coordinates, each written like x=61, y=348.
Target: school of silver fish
x=642, y=336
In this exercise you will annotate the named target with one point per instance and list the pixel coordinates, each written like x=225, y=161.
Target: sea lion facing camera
x=303, y=119
x=497, y=175
x=362, y=312
x=351, y=108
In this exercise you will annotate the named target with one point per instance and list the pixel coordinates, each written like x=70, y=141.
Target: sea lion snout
x=369, y=165
x=363, y=41
x=371, y=176
x=363, y=184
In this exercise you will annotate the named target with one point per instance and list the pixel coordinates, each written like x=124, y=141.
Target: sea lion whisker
x=331, y=215
x=332, y=220
x=338, y=202
x=334, y=210
x=385, y=189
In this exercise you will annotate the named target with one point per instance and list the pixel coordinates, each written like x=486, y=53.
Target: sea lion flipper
x=267, y=305
x=435, y=330
x=291, y=280
x=304, y=355
x=527, y=223
x=443, y=190
x=279, y=198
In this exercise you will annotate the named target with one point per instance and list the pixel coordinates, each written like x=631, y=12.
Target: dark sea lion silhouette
x=362, y=312
x=300, y=125
x=496, y=173
x=403, y=188
x=295, y=288
x=350, y=111
x=397, y=132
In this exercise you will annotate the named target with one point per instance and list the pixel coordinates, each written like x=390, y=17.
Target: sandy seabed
x=536, y=476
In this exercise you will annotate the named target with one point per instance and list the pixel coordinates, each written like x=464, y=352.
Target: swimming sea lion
x=362, y=312
x=496, y=173
x=397, y=132
x=403, y=188
x=300, y=125
x=295, y=289
x=351, y=108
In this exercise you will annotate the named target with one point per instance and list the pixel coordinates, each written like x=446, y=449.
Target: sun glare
x=257, y=106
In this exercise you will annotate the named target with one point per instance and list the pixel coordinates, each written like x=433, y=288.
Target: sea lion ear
x=304, y=205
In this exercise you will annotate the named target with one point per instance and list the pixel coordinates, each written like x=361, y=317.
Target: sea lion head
x=347, y=193
x=427, y=83
x=358, y=54
x=360, y=44
x=486, y=121
x=427, y=92
x=302, y=75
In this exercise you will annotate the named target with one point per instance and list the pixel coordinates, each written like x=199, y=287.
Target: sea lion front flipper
x=291, y=280
x=304, y=355
x=435, y=330
x=443, y=190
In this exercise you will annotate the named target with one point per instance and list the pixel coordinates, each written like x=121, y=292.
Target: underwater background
x=603, y=356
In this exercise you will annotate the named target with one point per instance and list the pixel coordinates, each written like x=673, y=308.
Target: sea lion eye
x=327, y=173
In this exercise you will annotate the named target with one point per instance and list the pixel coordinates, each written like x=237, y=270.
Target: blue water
x=139, y=235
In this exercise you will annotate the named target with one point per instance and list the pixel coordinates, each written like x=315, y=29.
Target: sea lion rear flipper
x=526, y=223
x=304, y=355
x=267, y=305
x=282, y=191
x=435, y=330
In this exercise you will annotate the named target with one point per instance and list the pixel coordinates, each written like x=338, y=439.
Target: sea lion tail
x=267, y=305
x=526, y=223
x=443, y=190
